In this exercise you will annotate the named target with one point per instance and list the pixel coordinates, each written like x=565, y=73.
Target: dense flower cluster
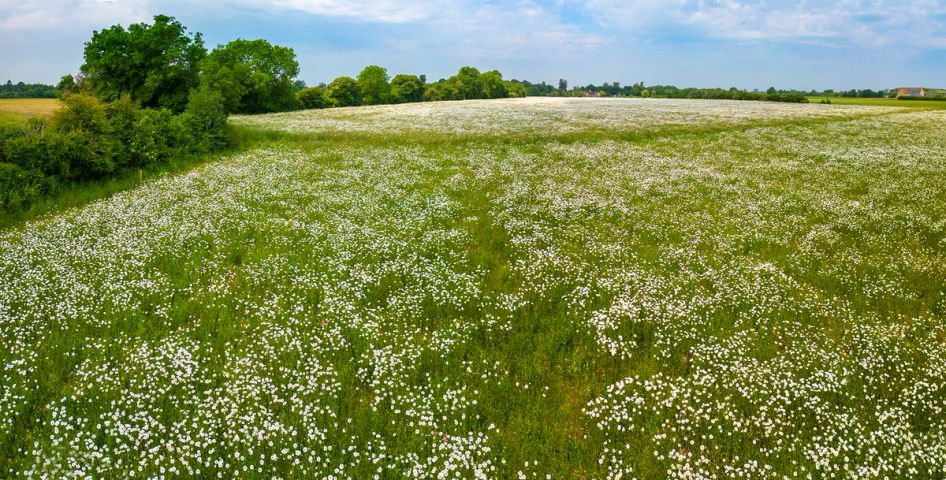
x=766, y=301
x=543, y=115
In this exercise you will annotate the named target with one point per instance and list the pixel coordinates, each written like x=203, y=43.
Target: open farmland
x=534, y=288
x=16, y=110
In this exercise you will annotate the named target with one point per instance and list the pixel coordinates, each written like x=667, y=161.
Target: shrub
x=206, y=119
x=312, y=97
x=52, y=154
x=149, y=143
x=20, y=187
x=123, y=114
x=84, y=113
x=91, y=155
x=161, y=135
x=7, y=133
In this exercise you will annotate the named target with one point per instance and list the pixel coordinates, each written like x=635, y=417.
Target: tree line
x=27, y=90
x=615, y=89
x=374, y=86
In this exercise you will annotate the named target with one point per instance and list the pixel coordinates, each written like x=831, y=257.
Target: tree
x=516, y=89
x=343, y=92
x=156, y=64
x=562, y=84
x=312, y=97
x=467, y=82
x=373, y=82
x=407, y=88
x=492, y=86
x=440, y=91
x=66, y=85
x=253, y=76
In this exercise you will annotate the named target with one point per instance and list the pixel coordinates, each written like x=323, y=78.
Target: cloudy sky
x=749, y=44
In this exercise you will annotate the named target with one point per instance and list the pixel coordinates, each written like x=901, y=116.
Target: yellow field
x=14, y=110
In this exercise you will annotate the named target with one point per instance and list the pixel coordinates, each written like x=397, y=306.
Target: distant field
x=882, y=102
x=19, y=109
x=530, y=288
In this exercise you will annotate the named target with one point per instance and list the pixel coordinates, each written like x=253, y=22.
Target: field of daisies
x=530, y=288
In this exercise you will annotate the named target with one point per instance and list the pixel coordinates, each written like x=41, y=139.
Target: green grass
x=882, y=102
x=611, y=299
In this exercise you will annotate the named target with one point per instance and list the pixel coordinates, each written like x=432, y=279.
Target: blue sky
x=748, y=44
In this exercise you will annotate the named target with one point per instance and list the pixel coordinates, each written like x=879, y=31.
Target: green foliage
x=373, y=82
x=24, y=90
x=468, y=84
x=66, y=86
x=440, y=91
x=159, y=135
x=492, y=86
x=253, y=76
x=83, y=113
x=312, y=97
x=207, y=120
x=516, y=90
x=19, y=187
x=48, y=154
x=407, y=88
x=87, y=140
x=123, y=115
x=343, y=92
x=156, y=64
x=7, y=133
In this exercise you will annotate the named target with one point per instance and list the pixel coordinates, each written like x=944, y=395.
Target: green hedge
x=87, y=139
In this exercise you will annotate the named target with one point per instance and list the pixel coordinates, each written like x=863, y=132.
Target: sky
x=748, y=44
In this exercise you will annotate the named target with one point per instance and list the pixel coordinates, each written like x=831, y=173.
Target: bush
x=7, y=133
x=52, y=154
x=312, y=97
x=20, y=187
x=206, y=119
x=84, y=113
x=123, y=114
x=156, y=137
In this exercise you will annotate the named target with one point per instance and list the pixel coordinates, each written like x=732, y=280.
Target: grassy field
x=534, y=288
x=883, y=102
x=18, y=110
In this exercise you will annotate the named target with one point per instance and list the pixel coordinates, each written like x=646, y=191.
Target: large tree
x=156, y=64
x=252, y=75
x=492, y=86
x=467, y=82
x=373, y=82
x=343, y=92
x=407, y=88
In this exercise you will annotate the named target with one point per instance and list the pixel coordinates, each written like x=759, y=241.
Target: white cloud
x=74, y=14
x=385, y=11
x=871, y=23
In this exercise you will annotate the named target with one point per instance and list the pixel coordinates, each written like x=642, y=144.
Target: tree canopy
x=253, y=76
x=373, y=82
x=407, y=88
x=157, y=64
x=343, y=92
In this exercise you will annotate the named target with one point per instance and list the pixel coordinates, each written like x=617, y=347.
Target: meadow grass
x=729, y=298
